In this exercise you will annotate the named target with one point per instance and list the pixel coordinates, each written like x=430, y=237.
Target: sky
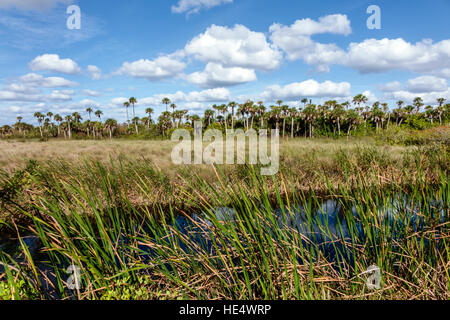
x=204, y=52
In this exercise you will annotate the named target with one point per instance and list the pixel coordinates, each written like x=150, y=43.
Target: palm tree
x=126, y=104
x=275, y=114
x=353, y=118
x=261, y=112
x=224, y=111
x=76, y=117
x=209, y=114
x=440, y=109
x=252, y=111
x=19, y=123
x=377, y=114
x=386, y=112
x=164, y=121
x=166, y=101
x=182, y=114
x=232, y=105
x=132, y=102
x=69, y=119
x=338, y=114
x=40, y=117
x=136, y=121
x=418, y=103
x=430, y=112
x=99, y=114
x=304, y=101
x=310, y=113
x=89, y=110
x=358, y=100
x=173, y=106
x=149, y=111
x=111, y=125
x=58, y=119
x=284, y=114
x=292, y=114
x=408, y=111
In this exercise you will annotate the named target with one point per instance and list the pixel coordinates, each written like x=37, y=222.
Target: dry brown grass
x=15, y=154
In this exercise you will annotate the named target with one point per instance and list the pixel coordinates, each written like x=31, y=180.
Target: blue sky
x=201, y=52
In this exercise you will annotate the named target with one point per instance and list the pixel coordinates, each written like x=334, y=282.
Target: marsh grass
x=119, y=220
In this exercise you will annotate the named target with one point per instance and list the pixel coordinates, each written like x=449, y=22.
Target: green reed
x=85, y=216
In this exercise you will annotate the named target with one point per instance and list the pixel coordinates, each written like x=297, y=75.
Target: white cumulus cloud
x=53, y=63
x=161, y=68
x=209, y=95
x=32, y=4
x=234, y=47
x=429, y=88
x=194, y=6
x=92, y=93
x=296, y=41
x=95, y=72
x=37, y=80
x=427, y=84
x=309, y=88
x=215, y=75
x=374, y=55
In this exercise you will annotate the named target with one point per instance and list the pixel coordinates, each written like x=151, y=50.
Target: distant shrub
x=401, y=136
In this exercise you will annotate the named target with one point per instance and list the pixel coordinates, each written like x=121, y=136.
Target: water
x=328, y=225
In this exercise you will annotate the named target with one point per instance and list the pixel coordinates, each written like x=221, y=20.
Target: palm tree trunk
x=292, y=128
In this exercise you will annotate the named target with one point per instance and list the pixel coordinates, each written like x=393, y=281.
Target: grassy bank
x=112, y=211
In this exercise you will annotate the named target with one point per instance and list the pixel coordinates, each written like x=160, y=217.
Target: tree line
x=308, y=120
